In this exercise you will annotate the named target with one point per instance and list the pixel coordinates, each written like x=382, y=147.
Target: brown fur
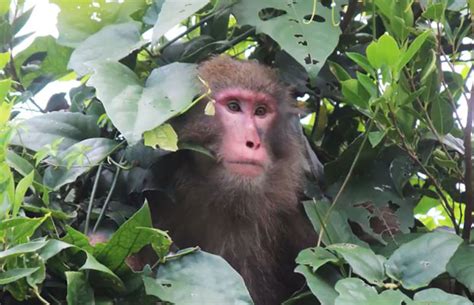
x=256, y=224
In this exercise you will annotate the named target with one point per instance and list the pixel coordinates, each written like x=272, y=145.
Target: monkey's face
x=246, y=118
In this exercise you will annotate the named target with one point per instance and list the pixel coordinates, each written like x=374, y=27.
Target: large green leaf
x=79, y=292
x=310, y=44
x=41, y=130
x=78, y=20
x=111, y=43
x=419, y=261
x=353, y=291
x=135, y=108
x=172, y=13
x=198, y=278
x=127, y=240
x=315, y=258
x=461, y=266
x=13, y=275
x=319, y=285
x=435, y=296
x=363, y=261
x=53, y=62
x=94, y=151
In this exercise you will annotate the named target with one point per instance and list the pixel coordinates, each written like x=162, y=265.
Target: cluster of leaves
x=383, y=79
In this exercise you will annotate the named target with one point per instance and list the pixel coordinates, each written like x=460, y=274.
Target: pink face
x=246, y=117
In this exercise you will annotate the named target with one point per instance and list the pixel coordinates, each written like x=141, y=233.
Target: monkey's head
x=252, y=115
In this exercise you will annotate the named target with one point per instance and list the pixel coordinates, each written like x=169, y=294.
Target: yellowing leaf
x=163, y=136
x=210, y=109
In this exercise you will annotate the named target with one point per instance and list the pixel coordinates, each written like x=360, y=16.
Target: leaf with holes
x=172, y=13
x=308, y=38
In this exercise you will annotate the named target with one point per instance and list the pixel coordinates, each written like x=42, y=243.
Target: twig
x=466, y=234
x=351, y=9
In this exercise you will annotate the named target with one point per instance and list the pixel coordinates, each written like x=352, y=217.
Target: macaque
x=243, y=204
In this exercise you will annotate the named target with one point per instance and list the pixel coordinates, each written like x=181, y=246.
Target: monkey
x=243, y=204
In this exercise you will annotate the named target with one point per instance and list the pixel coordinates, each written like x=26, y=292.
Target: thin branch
x=466, y=234
x=346, y=180
x=413, y=156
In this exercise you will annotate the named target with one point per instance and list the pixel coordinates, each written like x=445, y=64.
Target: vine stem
x=91, y=200
x=466, y=234
x=109, y=196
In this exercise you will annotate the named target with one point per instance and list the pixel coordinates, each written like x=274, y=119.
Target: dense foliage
x=384, y=84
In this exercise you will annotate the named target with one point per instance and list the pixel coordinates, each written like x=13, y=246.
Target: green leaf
x=385, y=51
x=198, y=278
x=339, y=72
x=461, y=266
x=292, y=29
x=39, y=131
x=53, y=64
x=52, y=248
x=134, y=108
x=435, y=296
x=172, y=13
x=419, y=261
x=78, y=21
x=355, y=94
x=441, y=113
x=127, y=240
x=336, y=228
x=353, y=291
x=363, y=261
x=60, y=174
x=315, y=258
x=22, y=232
x=106, y=275
x=5, y=85
x=14, y=275
x=368, y=84
x=435, y=11
x=375, y=137
x=319, y=285
x=4, y=7
x=412, y=50
x=160, y=241
x=22, y=249
x=77, y=239
x=110, y=44
x=20, y=191
x=362, y=61
x=162, y=136
x=79, y=292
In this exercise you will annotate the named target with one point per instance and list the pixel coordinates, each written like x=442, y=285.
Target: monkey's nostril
x=249, y=144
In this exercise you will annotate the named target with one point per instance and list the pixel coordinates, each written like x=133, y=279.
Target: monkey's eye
x=261, y=111
x=233, y=106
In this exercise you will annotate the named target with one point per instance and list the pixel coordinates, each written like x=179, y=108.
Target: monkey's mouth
x=250, y=168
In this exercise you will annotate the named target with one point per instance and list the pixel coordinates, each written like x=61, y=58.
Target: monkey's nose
x=252, y=145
